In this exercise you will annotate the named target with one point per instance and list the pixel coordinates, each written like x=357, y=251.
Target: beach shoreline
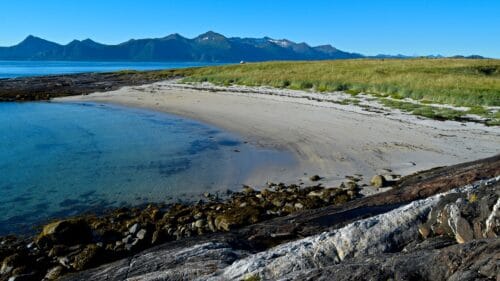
x=344, y=144
x=329, y=139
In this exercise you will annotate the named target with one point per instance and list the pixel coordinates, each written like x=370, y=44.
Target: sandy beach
x=328, y=139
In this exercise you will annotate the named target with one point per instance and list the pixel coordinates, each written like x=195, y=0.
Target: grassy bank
x=473, y=84
x=459, y=82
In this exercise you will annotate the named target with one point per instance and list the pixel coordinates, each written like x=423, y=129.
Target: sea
x=60, y=159
x=14, y=69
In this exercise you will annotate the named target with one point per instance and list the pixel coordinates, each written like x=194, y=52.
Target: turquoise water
x=62, y=159
x=12, y=69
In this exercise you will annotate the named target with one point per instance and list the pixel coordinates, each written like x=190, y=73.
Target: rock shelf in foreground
x=280, y=246
x=211, y=255
x=79, y=243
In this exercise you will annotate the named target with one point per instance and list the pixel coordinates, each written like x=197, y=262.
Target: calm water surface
x=12, y=69
x=61, y=159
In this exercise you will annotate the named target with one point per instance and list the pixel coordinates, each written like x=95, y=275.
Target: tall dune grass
x=460, y=82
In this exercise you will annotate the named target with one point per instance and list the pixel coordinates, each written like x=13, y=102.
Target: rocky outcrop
x=465, y=216
x=77, y=244
x=47, y=87
x=352, y=241
x=433, y=259
x=385, y=233
x=386, y=246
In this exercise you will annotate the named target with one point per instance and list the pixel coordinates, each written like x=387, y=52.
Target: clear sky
x=411, y=27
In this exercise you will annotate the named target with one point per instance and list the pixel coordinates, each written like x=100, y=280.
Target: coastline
x=253, y=223
x=328, y=139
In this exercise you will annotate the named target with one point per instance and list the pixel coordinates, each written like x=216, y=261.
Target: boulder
x=14, y=262
x=463, y=231
x=248, y=190
x=54, y=273
x=424, y=230
x=237, y=217
x=141, y=234
x=199, y=223
x=88, y=257
x=378, y=181
x=315, y=178
x=66, y=232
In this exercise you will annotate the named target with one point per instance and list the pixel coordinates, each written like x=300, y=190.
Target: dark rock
x=13, y=262
x=57, y=250
x=64, y=261
x=463, y=231
x=67, y=232
x=90, y=256
x=315, y=178
x=46, y=87
x=248, y=190
x=54, y=273
x=127, y=239
x=237, y=217
x=31, y=276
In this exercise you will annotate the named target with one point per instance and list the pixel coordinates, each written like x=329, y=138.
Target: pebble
x=199, y=223
x=298, y=206
x=141, y=234
x=133, y=229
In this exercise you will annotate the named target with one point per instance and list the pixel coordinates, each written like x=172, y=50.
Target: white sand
x=328, y=139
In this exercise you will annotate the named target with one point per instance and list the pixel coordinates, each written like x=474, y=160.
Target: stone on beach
x=378, y=181
x=68, y=232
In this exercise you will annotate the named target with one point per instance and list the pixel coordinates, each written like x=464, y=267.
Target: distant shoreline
x=29, y=69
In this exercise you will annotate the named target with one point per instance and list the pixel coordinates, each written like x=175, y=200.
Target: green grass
x=425, y=110
x=478, y=110
x=459, y=82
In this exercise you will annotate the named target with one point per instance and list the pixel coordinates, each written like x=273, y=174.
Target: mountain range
x=207, y=47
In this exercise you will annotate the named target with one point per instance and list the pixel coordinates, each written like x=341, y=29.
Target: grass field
x=472, y=83
x=459, y=82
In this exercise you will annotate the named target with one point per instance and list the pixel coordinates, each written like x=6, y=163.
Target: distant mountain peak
x=90, y=42
x=210, y=36
x=31, y=38
x=208, y=47
x=329, y=49
x=174, y=36
x=281, y=42
x=36, y=43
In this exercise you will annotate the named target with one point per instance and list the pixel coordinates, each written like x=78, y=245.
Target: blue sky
x=370, y=27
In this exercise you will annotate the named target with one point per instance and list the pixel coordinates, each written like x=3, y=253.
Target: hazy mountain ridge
x=209, y=47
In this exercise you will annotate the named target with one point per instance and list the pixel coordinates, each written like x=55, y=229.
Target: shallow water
x=61, y=159
x=12, y=69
